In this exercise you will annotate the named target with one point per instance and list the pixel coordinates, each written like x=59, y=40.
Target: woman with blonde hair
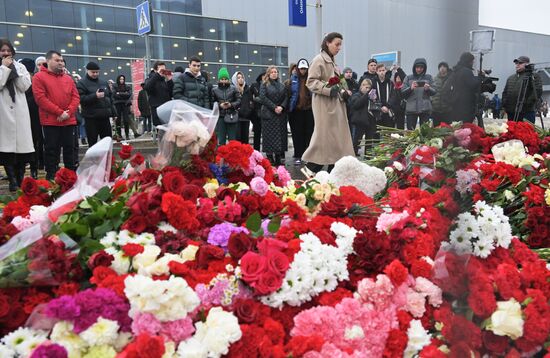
x=331, y=138
x=274, y=99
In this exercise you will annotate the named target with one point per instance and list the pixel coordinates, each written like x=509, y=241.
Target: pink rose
x=259, y=186
x=278, y=263
x=252, y=266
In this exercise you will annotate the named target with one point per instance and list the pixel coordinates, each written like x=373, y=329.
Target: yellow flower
x=210, y=188
x=547, y=196
x=103, y=351
x=507, y=320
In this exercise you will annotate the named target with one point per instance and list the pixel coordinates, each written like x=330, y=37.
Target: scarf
x=10, y=83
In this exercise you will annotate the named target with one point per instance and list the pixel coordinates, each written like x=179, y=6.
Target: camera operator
x=467, y=89
x=513, y=100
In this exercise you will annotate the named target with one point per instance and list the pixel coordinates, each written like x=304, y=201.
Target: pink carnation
x=179, y=330
x=429, y=289
x=415, y=303
x=145, y=323
x=283, y=175
x=259, y=186
x=463, y=136
x=387, y=220
x=259, y=171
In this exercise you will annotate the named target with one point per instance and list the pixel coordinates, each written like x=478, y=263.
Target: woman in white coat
x=16, y=147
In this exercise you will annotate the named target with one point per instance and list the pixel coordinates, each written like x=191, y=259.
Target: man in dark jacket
x=510, y=96
x=96, y=103
x=159, y=87
x=417, y=90
x=467, y=87
x=384, y=91
x=144, y=109
x=370, y=73
x=191, y=86
x=441, y=110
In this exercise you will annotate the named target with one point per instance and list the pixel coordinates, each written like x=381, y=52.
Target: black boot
x=271, y=158
x=10, y=171
x=19, y=173
x=34, y=170
x=277, y=160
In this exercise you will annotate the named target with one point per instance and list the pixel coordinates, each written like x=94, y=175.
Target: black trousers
x=97, y=127
x=441, y=117
x=257, y=130
x=123, y=118
x=412, y=118
x=55, y=139
x=301, y=127
x=243, y=132
x=155, y=117
x=360, y=130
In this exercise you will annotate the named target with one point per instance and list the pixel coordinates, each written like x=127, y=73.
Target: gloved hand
x=334, y=91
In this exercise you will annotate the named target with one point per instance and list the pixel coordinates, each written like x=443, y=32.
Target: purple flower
x=49, y=350
x=63, y=308
x=219, y=234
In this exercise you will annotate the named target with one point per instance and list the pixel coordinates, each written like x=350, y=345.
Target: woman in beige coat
x=331, y=138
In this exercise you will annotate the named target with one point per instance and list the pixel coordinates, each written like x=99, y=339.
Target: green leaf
x=115, y=210
x=254, y=222
x=85, y=204
x=274, y=225
x=87, y=248
x=103, y=194
x=74, y=229
x=101, y=230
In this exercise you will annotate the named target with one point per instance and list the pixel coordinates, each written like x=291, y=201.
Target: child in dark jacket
x=363, y=115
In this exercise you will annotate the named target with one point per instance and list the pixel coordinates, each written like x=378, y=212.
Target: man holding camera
x=96, y=103
x=522, y=91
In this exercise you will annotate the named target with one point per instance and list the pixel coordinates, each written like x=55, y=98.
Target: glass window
x=179, y=49
x=71, y=63
x=195, y=27
x=86, y=43
x=178, y=25
x=193, y=6
x=103, y=18
x=139, y=43
x=161, y=24
x=65, y=41
x=236, y=30
x=161, y=47
x=42, y=39
x=159, y=4
x=125, y=20
x=109, y=2
x=64, y=14
x=267, y=55
x=211, y=29
x=84, y=16
x=211, y=51
x=124, y=45
x=3, y=13
x=40, y=12
x=254, y=54
x=18, y=11
x=20, y=37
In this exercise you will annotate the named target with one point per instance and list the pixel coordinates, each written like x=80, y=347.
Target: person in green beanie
x=229, y=100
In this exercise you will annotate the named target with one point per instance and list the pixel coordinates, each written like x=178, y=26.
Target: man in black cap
x=96, y=103
x=519, y=106
x=370, y=73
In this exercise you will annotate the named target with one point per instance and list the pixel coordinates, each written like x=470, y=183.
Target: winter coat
x=93, y=107
x=512, y=88
x=226, y=93
x=246, y=109
x=122, y=94
x=143, y=103
x=353, y=85
x=15, y=121
x=466, y=87
x=360, y=111
x=35, y=115
x=192, y=89
x=438, y=105
x=272, y=94
x=331, y=138
x=55, y=93
x=295, y=82
x=158, y=89
x=418, y=100
x=366, y=75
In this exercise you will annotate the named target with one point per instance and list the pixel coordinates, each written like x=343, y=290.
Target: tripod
x=521, y=96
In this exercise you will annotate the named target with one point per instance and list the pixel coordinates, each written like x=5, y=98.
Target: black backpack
x=449, y=94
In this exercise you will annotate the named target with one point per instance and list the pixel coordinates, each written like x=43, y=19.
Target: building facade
x=105, y=31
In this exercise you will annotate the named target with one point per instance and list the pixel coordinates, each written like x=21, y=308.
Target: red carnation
x=125, y=151
x=395, y=344
x=137, y=160
x=181, y=213
x=65, y=178
x=396, y=272
x=334, y=297
x=145, y=346
x=132, y=250
x=208, y=253
x=173, y=182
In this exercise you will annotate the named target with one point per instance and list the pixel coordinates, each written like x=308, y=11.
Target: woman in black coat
x=274, y=99
x=467, y=87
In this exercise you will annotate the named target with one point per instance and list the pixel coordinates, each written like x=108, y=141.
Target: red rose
x=30, y=187
x=173, y=182
x=191, y=192
x=238, y=245
x=149, y=176
x=252, y=266
x=65, y=178
x=396, y=272
x=277, y=263
x=4, y=305
x=125, y=151
x=100, y=258
x=137, y=160
x=136, y=224
x=268, y=282
x=207, y=253
x=132, y=249
x=333, y=81
x=336, y=207
x=246, y=310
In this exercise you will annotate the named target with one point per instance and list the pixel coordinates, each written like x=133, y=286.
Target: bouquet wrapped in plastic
x=187, y=130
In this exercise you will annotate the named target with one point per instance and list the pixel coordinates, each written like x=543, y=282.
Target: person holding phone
x=417, y=90
x=159, y=87
x=96, y=103
x=16, y=145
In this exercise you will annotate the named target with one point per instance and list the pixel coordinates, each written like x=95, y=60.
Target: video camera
x=487, y=82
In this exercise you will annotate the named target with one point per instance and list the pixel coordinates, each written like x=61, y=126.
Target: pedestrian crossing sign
x=143, y=15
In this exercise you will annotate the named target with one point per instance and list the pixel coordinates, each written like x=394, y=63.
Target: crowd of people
x=45, y=110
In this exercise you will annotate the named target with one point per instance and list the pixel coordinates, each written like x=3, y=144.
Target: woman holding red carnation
x=331, y=138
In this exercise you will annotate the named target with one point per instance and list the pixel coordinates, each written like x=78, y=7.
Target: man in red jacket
x=57, y=99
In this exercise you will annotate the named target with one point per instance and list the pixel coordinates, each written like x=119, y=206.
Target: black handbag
x=232, y=117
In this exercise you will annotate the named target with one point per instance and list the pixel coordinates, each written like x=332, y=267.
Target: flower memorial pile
x=435, y=248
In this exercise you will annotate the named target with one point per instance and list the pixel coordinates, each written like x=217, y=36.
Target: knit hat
x=223, y=73
x=29, y=64
x=39, y=59
x=443, y=63
x=346, y=69
x=92, y=66
x=371, y=61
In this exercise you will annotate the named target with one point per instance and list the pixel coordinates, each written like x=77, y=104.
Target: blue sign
x=297, y=13
x=387, y=57
x=143, y=15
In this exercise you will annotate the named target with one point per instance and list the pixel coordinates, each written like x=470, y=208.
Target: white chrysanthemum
x=483, y=247
x=121, y=263
x=164, y=226
x=167, y=300
x=62, y=334
x=6, y=352
x=213, y=337
x=103, y=332
x=38, y=213
x=495, y=129
x=109, y=239
x=20, y=336
x=459, y=242
x=350, y=171
x=145, y=238
x=25, y=348
x=418, y=339
x=125, y=237
x=316, y=268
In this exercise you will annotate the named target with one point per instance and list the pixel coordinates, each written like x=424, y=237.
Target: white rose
x=507, y=319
